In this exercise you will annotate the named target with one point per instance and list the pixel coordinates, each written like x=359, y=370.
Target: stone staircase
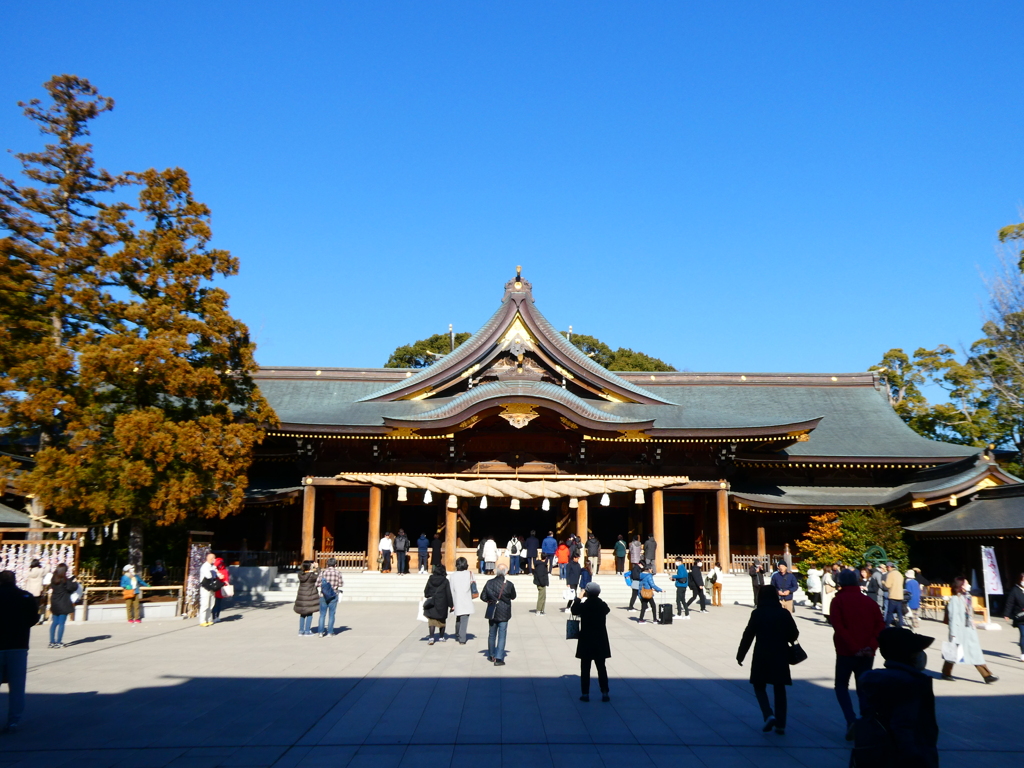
x=393, y=588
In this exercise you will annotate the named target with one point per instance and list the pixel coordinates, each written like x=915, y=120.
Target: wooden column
x=723, y=530
x=762, y=546
x=373, y=537
x=582, y=520
x=308, y=512
x=451, y=529
x=658, y=528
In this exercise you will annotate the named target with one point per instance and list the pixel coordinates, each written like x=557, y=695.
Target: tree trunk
x=135, y=545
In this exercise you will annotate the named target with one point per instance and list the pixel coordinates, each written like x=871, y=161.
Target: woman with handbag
x=61, y=589
x=774, y=630
x=131, y=586
x=438, y=602
x=1013, y=610
x=307, y=601
x=573, y=573
x=963, y=644
x=592, y=644
x=222, y=595
x=647, y=590
x=464, y=591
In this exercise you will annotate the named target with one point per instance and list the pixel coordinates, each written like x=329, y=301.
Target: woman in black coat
x=61, y=604
x=773, y=627
x=592, y=645
x=438, y=602
x=435, y=550
x=307, y=601
x=1013, y=609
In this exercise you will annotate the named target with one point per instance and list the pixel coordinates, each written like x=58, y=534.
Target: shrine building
x=518, y=430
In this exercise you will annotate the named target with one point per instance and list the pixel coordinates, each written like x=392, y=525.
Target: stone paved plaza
x=251, y=692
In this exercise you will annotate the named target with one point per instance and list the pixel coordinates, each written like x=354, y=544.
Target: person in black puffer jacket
x=499, y=593
x=1013, y=610
x=307, y=601
x=438, y=602
x=61, y=606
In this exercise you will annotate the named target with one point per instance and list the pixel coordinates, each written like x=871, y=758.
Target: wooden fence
x=347, y=561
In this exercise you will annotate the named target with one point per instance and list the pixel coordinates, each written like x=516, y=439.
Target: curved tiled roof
x=540, y=390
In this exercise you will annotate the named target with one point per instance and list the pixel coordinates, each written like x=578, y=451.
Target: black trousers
x=620, y=565
x=697, y=593
x=633, y=597
x=757, y=592
x=403, y=561
x=761, y=691
x=386, y=565
x=648, y=601
x=681, y=605
x=602, y=675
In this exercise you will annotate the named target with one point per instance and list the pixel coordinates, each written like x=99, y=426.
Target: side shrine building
x=518, y=430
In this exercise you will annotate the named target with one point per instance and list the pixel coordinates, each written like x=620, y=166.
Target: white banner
x=993, y=584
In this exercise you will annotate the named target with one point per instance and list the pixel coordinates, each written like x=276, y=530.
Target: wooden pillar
x=451, y=530
x=308, y=512
x=762, y=546
x=373, y=537
x=582, y=520
x=658, y=528
x=723, y=530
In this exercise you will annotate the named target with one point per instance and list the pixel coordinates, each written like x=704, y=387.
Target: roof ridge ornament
x=518, y=287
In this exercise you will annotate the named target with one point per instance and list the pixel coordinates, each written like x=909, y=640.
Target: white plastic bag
x=952, y=652
x=419, y=611
x=568, y=594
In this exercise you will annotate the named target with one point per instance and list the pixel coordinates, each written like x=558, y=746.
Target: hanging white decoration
x=605, y=501
x=545, y=505
x=574, y=503
x=638, y=497
x=427, y=497
x=515, y=504
x=483, y=502
x=453, y=501
x=402, y=495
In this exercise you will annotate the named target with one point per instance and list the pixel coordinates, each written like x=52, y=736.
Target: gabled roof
x=991, y=512
x=517, y=321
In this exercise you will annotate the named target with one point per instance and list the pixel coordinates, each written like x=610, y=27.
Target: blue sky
x=728, y=186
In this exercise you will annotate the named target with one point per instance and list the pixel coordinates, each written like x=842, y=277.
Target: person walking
x=592, y=646
x=715, y=579
x=307, y=601
x=402, y=547
x=490, y=556
x=131, y=586
x=422, y=546
x=547, y=548
x=697, y=587
x=480, y=555
x=387, y=549
x=209, y=585
x=19, y=612
x=1013, y=610
x=438, y=603
x=573, y=571
x=912, y=593
x=647, y=590
x=34, y=586
x=512, y=549
x=61, y=588
x=498, y=593
x=900, y=703
x=463, y=588
x=682, y=580
x=874, y=588
x=541, y=579
x=786, y=585
x=632, y=579
x=222, y=595
x=814, y=576
x=856, y=623
x=651, y=552
x=756, y=573
x=892, y=585
x=532, y=544
x=620, y=556
x=435, y=550
x=962, y=633
x=329, y=596
x=771, y=629
x=636, y=552
x=829, y=588
x=593, y=549
x=562, y=558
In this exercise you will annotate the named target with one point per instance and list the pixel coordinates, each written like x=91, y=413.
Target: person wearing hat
x=897, y=722
x=132, y=586
x=773, y=628
x=592, y=644
x=856, y=623
x=892, y=585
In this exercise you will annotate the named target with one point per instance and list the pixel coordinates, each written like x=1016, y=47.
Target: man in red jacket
x=856, y=623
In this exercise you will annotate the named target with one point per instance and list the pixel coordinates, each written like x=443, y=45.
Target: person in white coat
x=814, y=576
x=963, y=637
x=490, y=555
x=464, y=590
x=387, y=548
x=829, y=587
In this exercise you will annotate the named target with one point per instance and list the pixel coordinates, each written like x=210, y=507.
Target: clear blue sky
x=728, y=186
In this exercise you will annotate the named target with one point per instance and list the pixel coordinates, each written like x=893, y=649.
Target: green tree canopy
x=121, y=356
x=835, y=537
x=424, y=352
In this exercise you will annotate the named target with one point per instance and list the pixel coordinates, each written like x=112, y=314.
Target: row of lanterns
x=453, y=502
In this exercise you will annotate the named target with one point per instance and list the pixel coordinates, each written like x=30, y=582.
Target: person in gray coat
x=960, y=615
x=463, y=591
x=307, y=600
